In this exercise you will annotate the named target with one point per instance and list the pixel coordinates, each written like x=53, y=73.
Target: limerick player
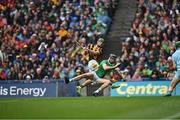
x=93, y=66
x=105, y=67
x=176, y=66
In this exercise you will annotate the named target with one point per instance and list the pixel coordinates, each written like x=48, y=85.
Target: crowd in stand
x=44, y=38
x=147, y=50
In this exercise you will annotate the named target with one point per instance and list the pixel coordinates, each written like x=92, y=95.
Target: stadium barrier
x=144, y=88
x=36, y=88
x=57, y=88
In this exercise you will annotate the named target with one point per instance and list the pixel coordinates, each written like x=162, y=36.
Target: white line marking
x=172, y=116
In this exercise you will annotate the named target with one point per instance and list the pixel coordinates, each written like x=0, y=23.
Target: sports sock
x=70, y=80
x=82, y=86
x=99, y=89
x=93, y=83
x=79, y=88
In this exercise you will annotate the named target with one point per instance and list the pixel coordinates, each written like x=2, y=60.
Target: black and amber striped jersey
x=96, y=48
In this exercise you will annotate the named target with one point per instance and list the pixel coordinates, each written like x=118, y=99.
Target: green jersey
x=100, y=71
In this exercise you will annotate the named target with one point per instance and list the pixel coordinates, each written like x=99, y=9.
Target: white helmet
x=93, y=65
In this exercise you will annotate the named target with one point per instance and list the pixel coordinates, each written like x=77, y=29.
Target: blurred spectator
x=45, y=79
x=153, y=33
x=28, y=75
x=170, y=72
x=156, y=73
x=38, y=37
x=125, y=75
x=137, y=75
x=146, y=72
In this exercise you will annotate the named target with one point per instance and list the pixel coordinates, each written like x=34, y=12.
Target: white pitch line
x=172, y=116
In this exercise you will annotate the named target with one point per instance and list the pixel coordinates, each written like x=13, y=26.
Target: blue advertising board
x=28, y=90
x=145, y=88
x=67, y=90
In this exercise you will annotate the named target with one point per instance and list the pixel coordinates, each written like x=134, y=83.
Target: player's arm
x=174, y=65
x=174, y=59
x=106, y=67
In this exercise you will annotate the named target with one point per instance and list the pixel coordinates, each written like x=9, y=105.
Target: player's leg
x=104, y=82
x=113, y=81
x=113, y=84
x=173, y=84
x=88, y=75
x=83, y=85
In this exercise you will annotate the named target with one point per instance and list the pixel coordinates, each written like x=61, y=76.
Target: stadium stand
x=146, y=52
x=43, y=38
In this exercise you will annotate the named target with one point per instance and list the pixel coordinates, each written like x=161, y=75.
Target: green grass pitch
x=90, y=108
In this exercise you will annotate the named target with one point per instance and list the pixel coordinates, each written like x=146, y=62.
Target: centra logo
x=148, y=89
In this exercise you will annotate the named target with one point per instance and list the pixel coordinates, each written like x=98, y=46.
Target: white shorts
x=177, y=74
x=95, y=76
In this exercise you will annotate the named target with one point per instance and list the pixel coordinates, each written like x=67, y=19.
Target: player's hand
x=117, y=64
x=84, y=48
